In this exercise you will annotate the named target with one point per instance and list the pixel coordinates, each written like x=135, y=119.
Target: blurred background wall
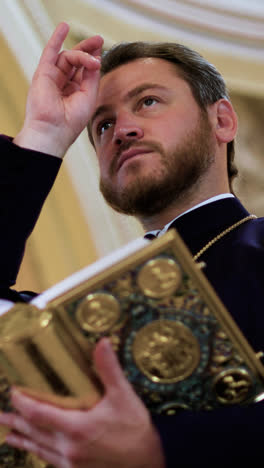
x=76, y=227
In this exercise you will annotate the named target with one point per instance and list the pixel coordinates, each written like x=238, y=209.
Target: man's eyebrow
x=139, y=89
x=99, y=110
x=134, y=92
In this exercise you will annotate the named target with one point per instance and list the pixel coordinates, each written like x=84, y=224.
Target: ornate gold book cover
x=178, y=345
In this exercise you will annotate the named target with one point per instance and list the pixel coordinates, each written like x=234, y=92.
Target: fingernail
x=10, y=439
x=15, y=391
x=14, y=394
x=95, y=59
x=107, y=345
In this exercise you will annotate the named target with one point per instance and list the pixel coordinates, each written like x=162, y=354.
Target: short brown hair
x=206, y=83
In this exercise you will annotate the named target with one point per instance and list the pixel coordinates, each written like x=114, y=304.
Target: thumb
x=109, y=369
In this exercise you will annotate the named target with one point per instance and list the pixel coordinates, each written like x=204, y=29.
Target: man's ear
x=225, y=121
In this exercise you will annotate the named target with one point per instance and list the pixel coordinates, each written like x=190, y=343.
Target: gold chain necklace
x=222, y=234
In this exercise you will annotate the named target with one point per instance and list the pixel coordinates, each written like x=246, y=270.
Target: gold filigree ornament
x=98, y=312
x=24, y=320
x=166, y=351
x=159, y=277
x=123, y=286
x=232, y=386
x=170, y=409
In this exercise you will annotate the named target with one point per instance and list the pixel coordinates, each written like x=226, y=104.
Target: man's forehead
x=124, y=78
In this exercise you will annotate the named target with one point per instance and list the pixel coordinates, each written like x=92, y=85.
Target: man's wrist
x=44, y=143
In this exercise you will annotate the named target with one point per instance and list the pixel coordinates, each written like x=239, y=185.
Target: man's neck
x=173, y=211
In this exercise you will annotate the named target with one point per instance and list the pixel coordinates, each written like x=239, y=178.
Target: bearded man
x=162, y=125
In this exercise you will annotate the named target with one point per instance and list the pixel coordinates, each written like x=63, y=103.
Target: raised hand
x=115, y=433
x=62, y=94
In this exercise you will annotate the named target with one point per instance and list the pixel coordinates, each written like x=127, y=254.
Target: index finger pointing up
x=92, y=45
x=53, y=47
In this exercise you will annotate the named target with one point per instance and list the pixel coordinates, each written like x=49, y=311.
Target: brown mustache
x=149, y=145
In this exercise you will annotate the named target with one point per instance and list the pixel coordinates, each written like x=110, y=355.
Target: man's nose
x=126, y=131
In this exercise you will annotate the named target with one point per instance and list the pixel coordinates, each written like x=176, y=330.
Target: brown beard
x=181, y=170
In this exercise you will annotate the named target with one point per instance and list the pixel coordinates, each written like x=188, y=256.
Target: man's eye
x=149, y=101
x=102, y=127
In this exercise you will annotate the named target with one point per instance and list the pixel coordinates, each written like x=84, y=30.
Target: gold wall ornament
x=98, y=312
x=159, y=277
x=166, y=351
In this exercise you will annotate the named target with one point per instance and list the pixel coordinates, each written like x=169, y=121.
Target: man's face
x=152, y=141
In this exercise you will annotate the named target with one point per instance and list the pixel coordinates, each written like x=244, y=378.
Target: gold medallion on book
x=177, y=344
